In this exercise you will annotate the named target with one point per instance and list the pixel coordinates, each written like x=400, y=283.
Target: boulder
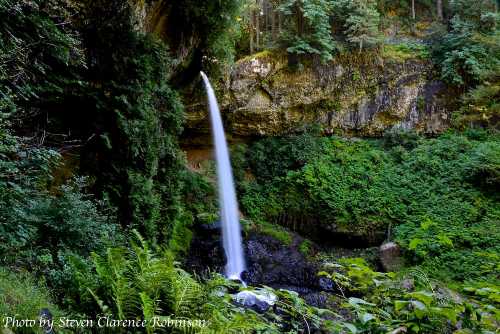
x=272, y=263
x=326, y=284
x=259, y=300
x=391, y=256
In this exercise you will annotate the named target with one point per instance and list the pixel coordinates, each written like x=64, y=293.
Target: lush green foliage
x=138, y=119
x=37, y=54
x=216, y=25
x=468, y=57
x=21, y=296
x=362, y=186
x=82, y=72
x=410, y=303
x=40, y=227
x=466, y=54
x=137, y=283
x=481, y=106
x=360, y=20
x=309, y=26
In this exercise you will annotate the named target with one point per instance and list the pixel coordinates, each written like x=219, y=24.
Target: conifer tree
x=311, y=33
x=360, y=20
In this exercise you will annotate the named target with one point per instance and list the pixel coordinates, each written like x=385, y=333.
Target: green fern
x=137, y=283
x=149, y=310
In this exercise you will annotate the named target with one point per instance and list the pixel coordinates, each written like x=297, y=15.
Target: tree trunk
x=273, y=25
x=279, y=22
x=300, y=19
x=257, y=27
x=252, y=28
x=440, y=9
x=265, y=10
x=413, y=10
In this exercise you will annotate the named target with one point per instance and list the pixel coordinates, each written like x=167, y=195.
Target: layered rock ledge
x=353, y=94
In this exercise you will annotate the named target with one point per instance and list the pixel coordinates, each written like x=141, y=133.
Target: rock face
x=162, y=18
x=360, y=94
x=149, y=16
x=274, y=264
x=269, y=262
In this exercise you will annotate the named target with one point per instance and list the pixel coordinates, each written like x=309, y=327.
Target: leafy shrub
x=402, y=181
x=480, y=107
x=216, y=25
x=361, y=20
x=294, y=152
x=138, y=117
x=198, y=193
x=37, y=53
x=466, y=56
x=387, y=306
x=22, y=297
x=305, y=247
x=471, y=12
x=134, y=282
x=42, y=228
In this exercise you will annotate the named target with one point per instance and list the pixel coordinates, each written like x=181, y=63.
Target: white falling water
x=231, y=232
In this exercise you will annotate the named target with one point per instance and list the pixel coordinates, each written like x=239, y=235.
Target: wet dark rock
x=206, y=253
x=408, y=284
x=259, y=300
x=299, y=289
x=269, y=261
x=272, y=263
x=316, y=299
x=211, y=227
x=46, y=316
x=326, y=284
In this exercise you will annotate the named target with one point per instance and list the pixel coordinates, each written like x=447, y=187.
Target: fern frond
x=186, y=294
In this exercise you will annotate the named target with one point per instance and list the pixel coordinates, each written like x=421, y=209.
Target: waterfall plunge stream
x=231, y=231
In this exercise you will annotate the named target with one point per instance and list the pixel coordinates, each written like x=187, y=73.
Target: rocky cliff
x=166, y=19
x=354, y=94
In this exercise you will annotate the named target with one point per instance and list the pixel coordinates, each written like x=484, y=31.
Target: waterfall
x=231, y=232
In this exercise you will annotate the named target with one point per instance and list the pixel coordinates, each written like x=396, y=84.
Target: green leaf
x=351, y=327
x=445, y=240
x=400, y=304
x=357, y=301
x=423, y=296
x=414, y=243
x=419, y=308
x=365, y=317
x=426, y=224
x=447, y=312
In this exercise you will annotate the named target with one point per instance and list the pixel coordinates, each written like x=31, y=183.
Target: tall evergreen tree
x=360, y=20
x=311, y=31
